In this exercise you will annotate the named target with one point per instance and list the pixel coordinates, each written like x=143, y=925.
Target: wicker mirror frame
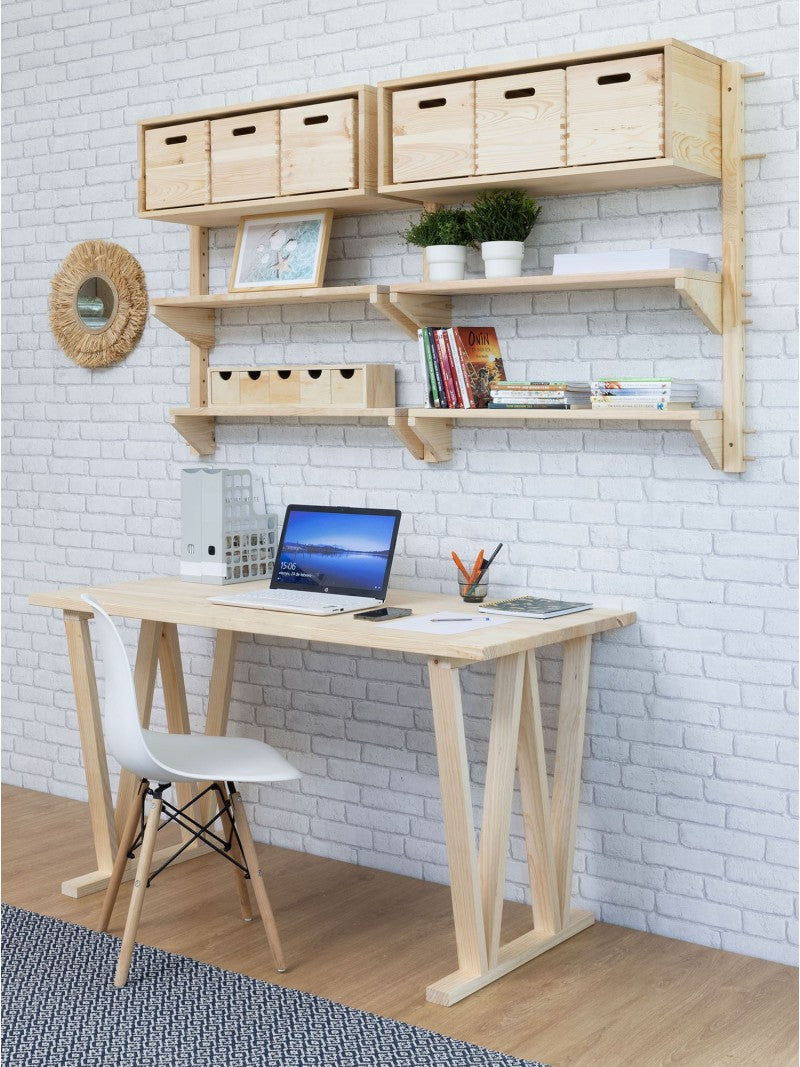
x=88, y=346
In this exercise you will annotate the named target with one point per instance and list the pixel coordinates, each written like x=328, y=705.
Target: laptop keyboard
x=265, y=598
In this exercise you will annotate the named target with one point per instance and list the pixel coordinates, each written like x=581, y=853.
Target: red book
x=447, y=373
x=481, y=360
x=461, y=369
x=455, y=368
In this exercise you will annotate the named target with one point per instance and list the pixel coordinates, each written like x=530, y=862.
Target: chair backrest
x=121, y=725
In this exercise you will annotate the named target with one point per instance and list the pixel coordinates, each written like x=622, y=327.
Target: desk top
x=175, y=601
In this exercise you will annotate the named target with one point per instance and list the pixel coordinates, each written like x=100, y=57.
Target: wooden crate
x=520, y=122
x=433, y=132
x=315, y=386
x=245, y=157
x=615, y=110
x=176, y=165
x=370, y=385
x=224, y=385
x=284, y=385
x=692, y=114
x=319, y=147
x=254, y=386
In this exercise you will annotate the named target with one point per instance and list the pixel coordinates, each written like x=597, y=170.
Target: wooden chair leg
x=236, y=854
x=257, y=878
x=121, y=861
x=137, y=896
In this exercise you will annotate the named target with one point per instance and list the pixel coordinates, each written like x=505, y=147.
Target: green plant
x=444, y=226
x=502, y=215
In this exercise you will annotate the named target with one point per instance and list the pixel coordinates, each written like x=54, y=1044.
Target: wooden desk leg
x=95, y=764
x=172, y=681
x=459, y=825
x=144, y=681
x=515, y=737
x=219, y=697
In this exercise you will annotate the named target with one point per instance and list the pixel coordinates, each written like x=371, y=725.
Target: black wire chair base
x=197, y=831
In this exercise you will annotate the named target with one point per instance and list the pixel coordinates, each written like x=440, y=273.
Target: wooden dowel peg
x=749, y=459
x=750, y=75
x=747, y=293
x=755, y=155
x=749, y=431
x=746, y=322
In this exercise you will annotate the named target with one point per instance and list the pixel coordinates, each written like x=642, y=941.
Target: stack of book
x=559, y=395
x=461, y=365
x=659, y=394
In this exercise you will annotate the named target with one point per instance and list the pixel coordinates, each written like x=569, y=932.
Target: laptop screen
x=347, y=551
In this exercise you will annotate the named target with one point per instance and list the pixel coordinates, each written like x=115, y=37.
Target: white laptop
x=329, y=560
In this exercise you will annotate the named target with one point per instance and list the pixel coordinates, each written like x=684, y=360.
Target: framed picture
x=280, y=251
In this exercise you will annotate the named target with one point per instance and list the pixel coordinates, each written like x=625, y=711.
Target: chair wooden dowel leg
x=257, y=878
x=137, y=896
x=236, y=853
x=121, y=861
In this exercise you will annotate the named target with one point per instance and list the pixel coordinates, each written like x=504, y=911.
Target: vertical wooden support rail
x=733, y=276
x=198, y=286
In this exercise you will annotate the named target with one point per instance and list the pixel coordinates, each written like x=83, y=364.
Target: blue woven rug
x=60, y=1009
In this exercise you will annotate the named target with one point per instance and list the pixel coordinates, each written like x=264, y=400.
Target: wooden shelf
x=561, y=181
x=433, y=426
x=193, y=316
x=197, y=425
x=701, y=289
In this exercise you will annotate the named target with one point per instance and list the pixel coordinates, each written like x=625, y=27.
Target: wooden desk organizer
x=360, y=386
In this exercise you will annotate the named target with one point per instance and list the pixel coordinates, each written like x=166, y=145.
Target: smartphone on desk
x=382, y=614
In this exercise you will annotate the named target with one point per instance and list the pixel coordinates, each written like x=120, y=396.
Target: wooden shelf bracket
x=436, y=436
x=196, y=325
x=708, y=434
x=198, y=430
x=704, y=298
x=412, y=311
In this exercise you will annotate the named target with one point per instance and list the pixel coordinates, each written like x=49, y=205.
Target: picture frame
x=280, y=251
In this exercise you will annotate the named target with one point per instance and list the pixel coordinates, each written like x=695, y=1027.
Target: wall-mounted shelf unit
x=636, y=116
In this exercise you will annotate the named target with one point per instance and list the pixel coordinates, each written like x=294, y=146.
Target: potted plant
x=443, y=234
x=500, y=221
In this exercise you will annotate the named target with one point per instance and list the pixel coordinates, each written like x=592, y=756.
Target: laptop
x=329, y=561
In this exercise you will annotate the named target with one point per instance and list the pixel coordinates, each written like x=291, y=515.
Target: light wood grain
x=144, y=679
x=569, y=755
x=257, y=880
x=126, y=839
x=245, y=157
x=319, y=147
x=618, y=120
x=692, y=122
x=517, y=132
x=240, y=880
x=203, y=336
x=433, y=132
x=90, y=728
x=137, y=896
x=177, y=711
x=177, y=165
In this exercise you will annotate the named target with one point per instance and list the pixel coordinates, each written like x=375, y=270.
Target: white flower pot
x=502, y=259
x=446, y=263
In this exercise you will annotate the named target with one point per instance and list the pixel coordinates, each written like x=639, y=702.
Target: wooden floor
x=609, y=996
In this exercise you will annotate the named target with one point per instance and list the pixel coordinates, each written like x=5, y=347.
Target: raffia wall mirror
x=98, y=304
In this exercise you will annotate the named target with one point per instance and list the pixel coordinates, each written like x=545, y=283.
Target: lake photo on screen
x=333, y=550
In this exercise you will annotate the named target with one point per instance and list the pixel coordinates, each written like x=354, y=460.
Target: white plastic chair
x=161, y=759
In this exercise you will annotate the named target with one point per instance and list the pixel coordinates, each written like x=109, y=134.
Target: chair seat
x=195, y=757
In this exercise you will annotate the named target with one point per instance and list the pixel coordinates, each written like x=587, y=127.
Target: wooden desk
x=515, y=742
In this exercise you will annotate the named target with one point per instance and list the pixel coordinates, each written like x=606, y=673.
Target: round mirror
x=96, y=303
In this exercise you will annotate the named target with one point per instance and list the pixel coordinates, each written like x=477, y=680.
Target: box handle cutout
x=180, y=139
x=254, y=375
x=439, y=101
x=225, y=375
x=315, y=120
x=613, y=79
x=242, y=131
x=285, y=374
x=517, y=94
x=315, y=374
x=347, y=372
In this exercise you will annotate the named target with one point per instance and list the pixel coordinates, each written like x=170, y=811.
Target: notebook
x=534, y=607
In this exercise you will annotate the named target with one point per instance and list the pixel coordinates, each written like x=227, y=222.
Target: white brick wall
x=688, y=803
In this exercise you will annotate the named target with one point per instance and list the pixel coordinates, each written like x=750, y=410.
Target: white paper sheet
x=428, y=624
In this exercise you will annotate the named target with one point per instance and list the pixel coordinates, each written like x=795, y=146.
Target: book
x=615, y=261
x=455, y=368
x=651, y=403
x=437, y=370
x=424, y=362
x=522, y=405
x=481, y=360
x=467, y=399
x=533, y=607
x=430, y=374
x=444, y=365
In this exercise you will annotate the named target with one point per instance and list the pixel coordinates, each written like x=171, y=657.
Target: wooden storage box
x=615, y=110
x=224, y=386
x=319, y=147
x=520, y=122
x=433, y=132
x=176, y=165
x=284, y=385
x=254, y=386
x=315, y=386
x=368, y=386
x=245, y=157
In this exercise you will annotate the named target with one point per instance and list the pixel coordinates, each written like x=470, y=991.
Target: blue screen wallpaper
x=326, y=550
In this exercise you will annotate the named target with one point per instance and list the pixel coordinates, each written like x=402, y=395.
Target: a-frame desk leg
x=477, y=877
